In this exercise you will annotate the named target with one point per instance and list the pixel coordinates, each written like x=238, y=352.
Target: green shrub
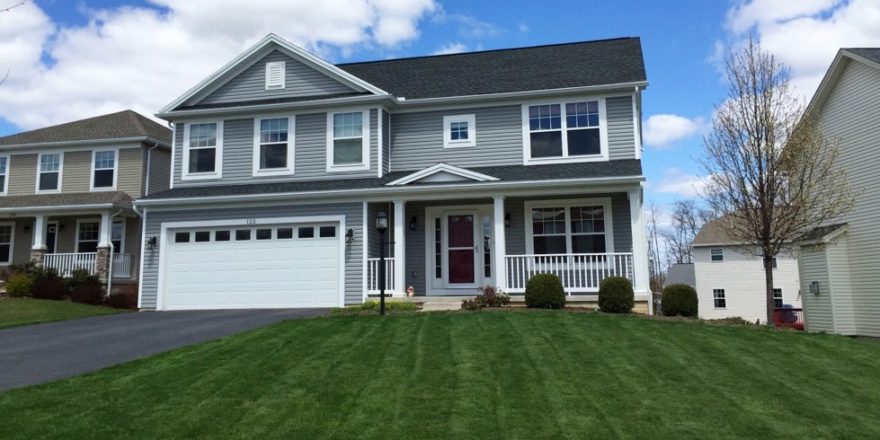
x=545, y=291
x=616, y=295
x=125, y=298
x=13, y=269
x=85, y=288
x=19, y=285
x=80, y=277
x=48, y=285
x=679, y=300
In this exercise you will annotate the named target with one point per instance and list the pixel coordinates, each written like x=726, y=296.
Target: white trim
x=79, y=221
x=143, y=245
x=400, y=245
x=720, y=254
x=639, y=246
x=379, y=147
x=60, y=172
x=282, y=80
x=5, y=188
x=440, y=212
x=832, y=75
x=11, y=225
x=563, y=128
x=443, y=168
x=499, y=237
x=365, y=142
x=36, y=237
x=165, y=226
x=470, y=120
x=364, y=251
x=289, y=170
x=218, y=155
x=95, y=152
x=528, y=205
x=637, y=125
x=174, y=147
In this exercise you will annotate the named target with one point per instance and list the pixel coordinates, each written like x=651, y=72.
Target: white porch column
x=106, y=226
x=39, y=233
x=639, y=246
x=400, y=247
x=499, y=266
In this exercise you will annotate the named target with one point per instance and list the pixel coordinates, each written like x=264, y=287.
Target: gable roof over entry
x=443, y=173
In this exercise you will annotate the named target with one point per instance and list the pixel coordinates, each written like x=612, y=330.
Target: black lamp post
x=381, y=226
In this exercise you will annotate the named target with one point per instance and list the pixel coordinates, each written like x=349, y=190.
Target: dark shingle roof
x=821, y=232
x=714, y=232
x=614, y=168
x=871, y=53
x=124, y=124
x=117, y=198
x=588, y=63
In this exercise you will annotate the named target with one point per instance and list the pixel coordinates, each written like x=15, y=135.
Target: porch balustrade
x=373, y=276
x=66, y=263
x=579, y=273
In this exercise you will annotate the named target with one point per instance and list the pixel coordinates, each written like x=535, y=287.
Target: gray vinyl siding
x=813, y=266
x=22, y=174
x=386, y=142
x=353, y=213
x=22, y=240
x=160, y=174
x=621, y=132
x=310, y=151
x=300, y=80
x=852, y=116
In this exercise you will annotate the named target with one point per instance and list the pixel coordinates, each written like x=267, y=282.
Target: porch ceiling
x=32, y=203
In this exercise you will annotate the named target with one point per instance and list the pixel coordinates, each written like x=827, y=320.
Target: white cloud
x=806, y=34
x=450, y=48
x=144, y=57
x=676, y=182
x=666, y=129
x=523, y=27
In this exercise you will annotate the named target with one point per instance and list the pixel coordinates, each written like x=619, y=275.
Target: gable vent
x=275, y=75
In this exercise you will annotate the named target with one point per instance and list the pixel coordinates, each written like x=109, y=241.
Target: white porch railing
x=579, y=273
x=65, y=264
x=373, y=275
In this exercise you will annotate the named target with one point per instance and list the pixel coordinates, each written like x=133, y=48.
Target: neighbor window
x=716, y=254
x=567, y=130
x=570, y=229
x=4, y=172
x=720, y=300
x=203, y=150
x=49, y=176
x=347, y=141
x=773, y=263
x=117, y=234
x=459, y=131
x=104, y=169
x=6, y=231
x=87, y=236
x=777, y=298
x=273, y=153
x=275, y=75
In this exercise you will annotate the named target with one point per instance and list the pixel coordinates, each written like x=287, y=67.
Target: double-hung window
x=104, y=170
x=347, y=141
x=564, y=131
x=777, y=298
x=49, y=172
x=4, y=174
x=87, y=235
x=273, y=146
x=719, y=298
x=459, y=131
x=716, y=254
x=569, y=227
x=6, y=233
x=203, y=150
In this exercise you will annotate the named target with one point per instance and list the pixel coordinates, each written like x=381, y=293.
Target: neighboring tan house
x=492, y=166
x=731, y=280
x=66, y=193
x=840, y=263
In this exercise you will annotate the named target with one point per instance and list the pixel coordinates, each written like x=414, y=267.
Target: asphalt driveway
x=41, y=353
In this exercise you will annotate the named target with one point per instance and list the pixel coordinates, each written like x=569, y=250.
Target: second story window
x=203, y=150
x=4, y=172
x=569, y=130
x=459, y=131
x=49, y=172
x=716, y=254
x=273, y=150
x=347, y=141
x=104, y=170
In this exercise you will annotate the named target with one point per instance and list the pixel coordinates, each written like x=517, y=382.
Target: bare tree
x=686, y=220
x=657, y=274
x=771, y=170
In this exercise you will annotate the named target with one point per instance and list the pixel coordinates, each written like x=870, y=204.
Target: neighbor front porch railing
x=579, y=273
x=65, y=264
x=788, y=317
x=373, y=275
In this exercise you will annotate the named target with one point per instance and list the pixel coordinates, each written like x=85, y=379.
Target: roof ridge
x=133, y=115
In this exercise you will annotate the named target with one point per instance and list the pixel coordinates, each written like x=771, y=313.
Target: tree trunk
x=768, y=276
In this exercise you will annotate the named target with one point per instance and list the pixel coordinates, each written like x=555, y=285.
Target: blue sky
x=139, y=50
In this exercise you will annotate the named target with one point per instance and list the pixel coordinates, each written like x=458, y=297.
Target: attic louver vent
x=275, y=75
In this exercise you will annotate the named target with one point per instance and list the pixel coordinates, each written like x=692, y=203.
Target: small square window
x=242, y=234
x=306, y=232
x=202, y=236
x=181, y=237
x=459, y=131
x=327, y=231
x=717, y=254
x=264, y=234
x=285, y=233
x=221, y=236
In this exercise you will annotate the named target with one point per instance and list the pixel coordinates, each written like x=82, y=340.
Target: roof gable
x=126, y=124
x=442, y=173
x=867, y=56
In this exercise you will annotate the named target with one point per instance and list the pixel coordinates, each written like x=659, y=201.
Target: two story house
x=66, y=193
x=491, y=166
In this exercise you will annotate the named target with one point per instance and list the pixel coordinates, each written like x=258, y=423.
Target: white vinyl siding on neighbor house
x=274, y=146
x=573, y=130
x=203, y=150
x=348, y=141
x=719, y=300
x=4, y=173
x=717, y=254
x=459, y=131
x=105, y=170
x=50, y=168
x=741, y=276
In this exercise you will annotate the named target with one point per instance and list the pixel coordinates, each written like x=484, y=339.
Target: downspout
x=148, y=170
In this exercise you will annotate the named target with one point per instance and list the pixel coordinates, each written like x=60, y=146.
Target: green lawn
x=516, y=374
x=23, y=311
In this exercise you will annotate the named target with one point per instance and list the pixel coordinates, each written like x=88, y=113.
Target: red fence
x=789, y=318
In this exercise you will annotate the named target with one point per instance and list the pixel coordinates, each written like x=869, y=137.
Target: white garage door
x=266, y=266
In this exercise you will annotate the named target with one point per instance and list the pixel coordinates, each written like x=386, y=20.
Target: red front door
x=461, y=248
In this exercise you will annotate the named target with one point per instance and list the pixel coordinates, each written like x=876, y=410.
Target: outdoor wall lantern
x=151, y=242
x=412, y=223
x=382, y=226
x=814, y=287
x=349, y=235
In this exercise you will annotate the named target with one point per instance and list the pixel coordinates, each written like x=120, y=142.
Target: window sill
x=103, y=189
x=273, y=172
x=48, y=191
x=201, y=176
x=569, y=159
x=347, y=168
x=459, y=144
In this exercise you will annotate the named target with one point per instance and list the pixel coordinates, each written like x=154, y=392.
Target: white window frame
x=276, y=64
x=781, y=298
x=565, y=158
x=79, y=223
x=712, y=255
x=115, y=152
x=715, y=297
x=365, y=143
x=11, y=242
x=5, y=173
x=60, y=173
x=567, y=204
x=218, y=156
x=470, y=120
x=291, y=145
x=121, y=237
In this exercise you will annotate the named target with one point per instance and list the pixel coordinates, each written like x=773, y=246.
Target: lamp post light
x=381, y=226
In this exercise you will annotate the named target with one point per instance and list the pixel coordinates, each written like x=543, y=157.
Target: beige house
x=66, y=193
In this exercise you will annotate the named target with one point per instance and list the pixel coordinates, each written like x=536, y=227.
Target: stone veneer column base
x=37, y=256
x=102, y=263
